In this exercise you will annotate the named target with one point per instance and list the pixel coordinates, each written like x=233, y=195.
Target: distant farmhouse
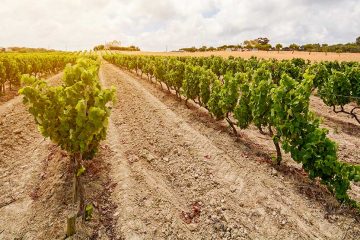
x=112, y=44
x=115, y=45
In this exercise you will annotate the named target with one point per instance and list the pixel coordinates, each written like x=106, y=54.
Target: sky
x=157, y=25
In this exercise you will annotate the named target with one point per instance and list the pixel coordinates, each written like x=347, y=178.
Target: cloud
x=155, y=25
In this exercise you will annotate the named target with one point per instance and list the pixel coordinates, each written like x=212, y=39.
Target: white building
x=114, y=43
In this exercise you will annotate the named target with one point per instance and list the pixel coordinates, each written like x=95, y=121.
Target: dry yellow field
x=314, y=56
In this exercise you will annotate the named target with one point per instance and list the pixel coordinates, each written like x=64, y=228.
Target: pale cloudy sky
x=155, y=24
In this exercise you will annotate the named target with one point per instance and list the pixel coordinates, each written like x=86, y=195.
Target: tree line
x=263, y=44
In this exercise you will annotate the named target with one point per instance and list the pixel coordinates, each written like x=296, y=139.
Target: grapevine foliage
x=260, y=99
x=214, y=101
x=190, y=86
x=13, y=65
x=242, y=111
x=336, y=90
x=74, y=115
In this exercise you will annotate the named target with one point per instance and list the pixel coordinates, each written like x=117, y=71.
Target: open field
x=168, y=172
x=314, y=56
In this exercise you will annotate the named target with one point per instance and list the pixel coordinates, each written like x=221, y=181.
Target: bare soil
x=9, y=94
x=166, y=172
x=13, y=92
x=343, y=129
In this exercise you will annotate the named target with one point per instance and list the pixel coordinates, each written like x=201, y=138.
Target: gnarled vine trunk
x=78, y=186
x=277, y=146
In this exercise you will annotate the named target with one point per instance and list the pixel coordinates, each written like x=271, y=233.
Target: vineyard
x=14, y=65
x=167, y=147
x=268, y=94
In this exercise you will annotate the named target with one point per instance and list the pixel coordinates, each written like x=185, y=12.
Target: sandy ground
x=342, y=128
x=9, y=94
x=164, y=172
x=314, y=56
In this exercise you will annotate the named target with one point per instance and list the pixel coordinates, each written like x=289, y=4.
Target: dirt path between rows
x=180, y=175
x=343, y=129
x=22, y=150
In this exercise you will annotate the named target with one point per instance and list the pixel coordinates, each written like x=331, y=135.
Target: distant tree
x=192, y=49
x=248, y=44
x=203, y=49
x=294, y=47
x=278, y=47
x=99, y=47
x=267, y=46
x=263, y=47
x=317, y=47
x=261, y=44
x=339, y=51
x=308, y=47
x=131, y=48
x=222, y=48
x=263, y=40
x=325, y=48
